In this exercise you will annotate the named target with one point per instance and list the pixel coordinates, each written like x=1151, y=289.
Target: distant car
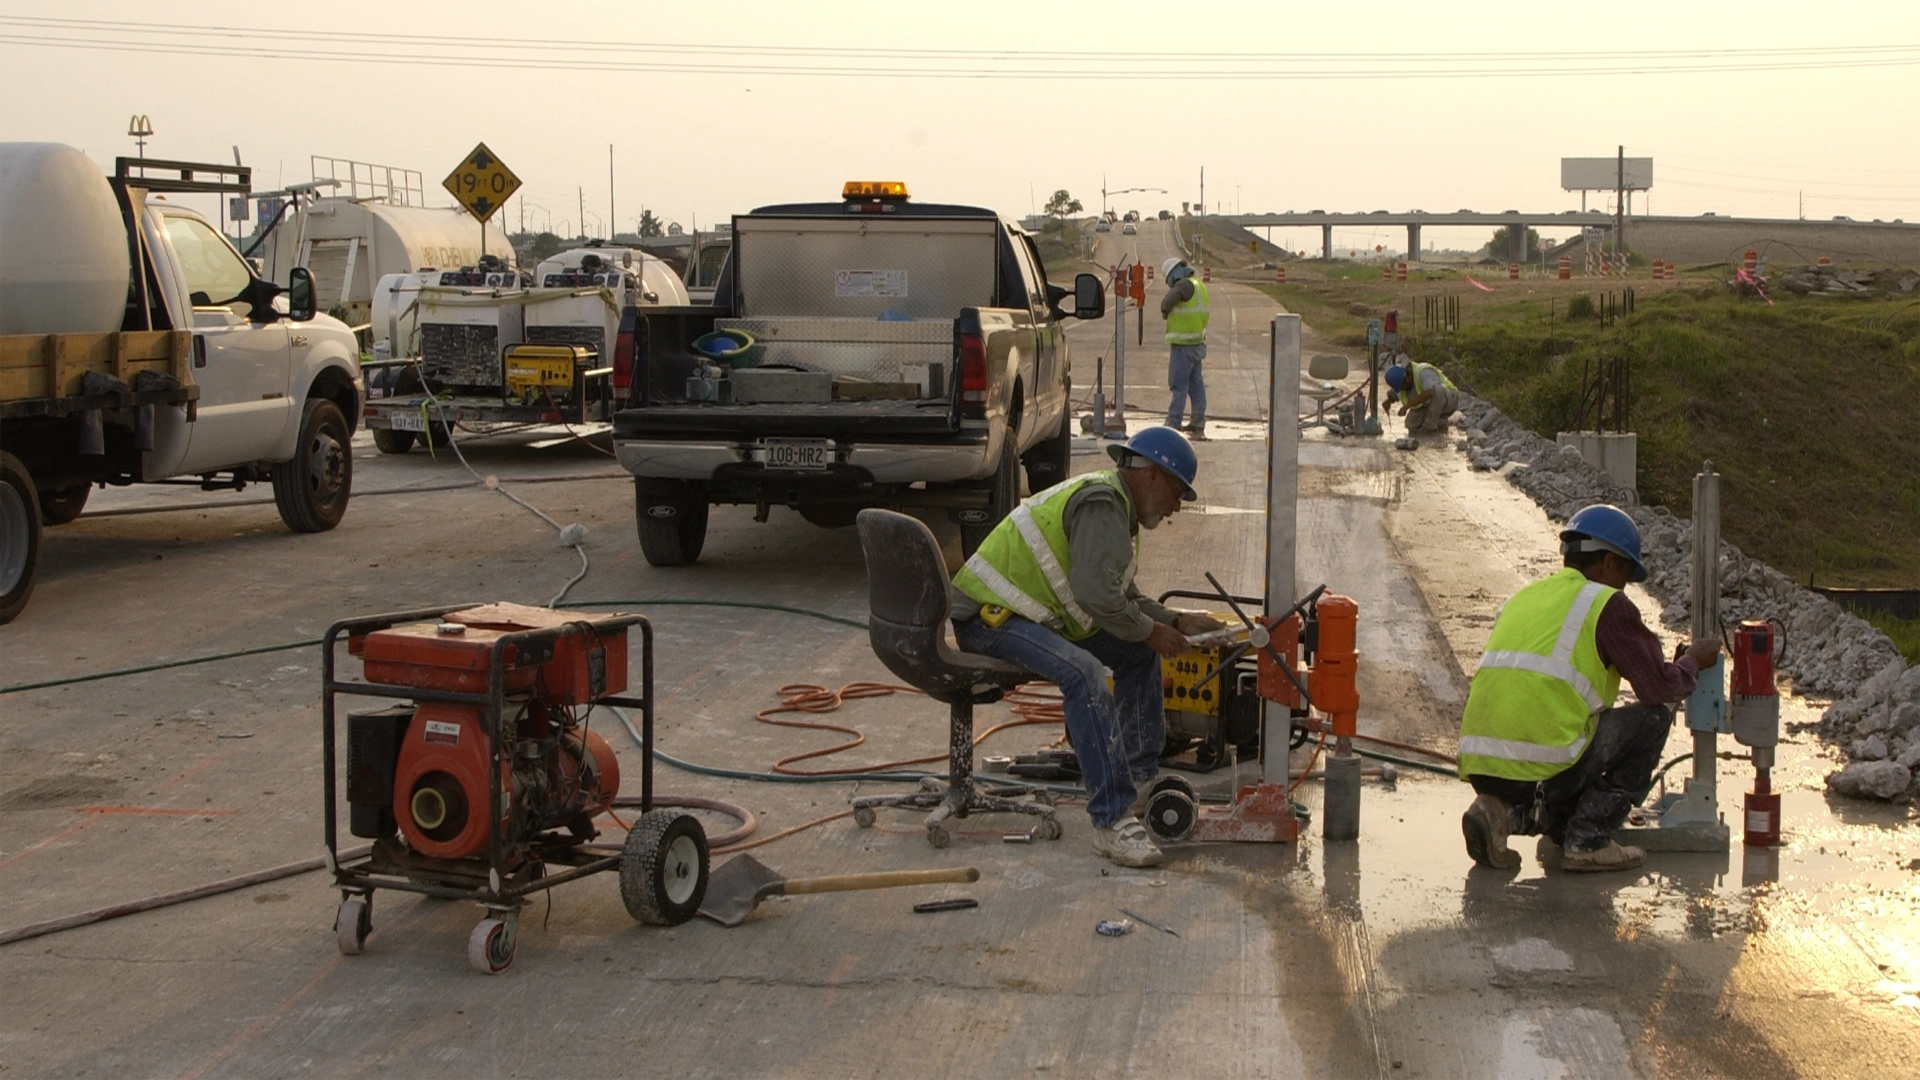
x=1128, y=229
x=1379, y=211
x=1509, y=211
x=1841, y=217
x=1464, y=210
x=1416, y=211
x=1316, y=211
x=1166, y=215
x=1102, y=226
x=1709, y=214
x=1569, y=211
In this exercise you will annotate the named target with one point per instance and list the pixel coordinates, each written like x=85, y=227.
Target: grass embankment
x=1806, y=407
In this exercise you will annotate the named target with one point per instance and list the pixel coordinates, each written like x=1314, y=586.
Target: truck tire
x=62, y=506
x=312, y=489
x=1002, y=496
x=672, y=516
x=389, y=441
x=19, y=536
x=1051, y=461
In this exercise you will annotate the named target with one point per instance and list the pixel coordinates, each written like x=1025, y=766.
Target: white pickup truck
x=136, y=345
x=902, y=354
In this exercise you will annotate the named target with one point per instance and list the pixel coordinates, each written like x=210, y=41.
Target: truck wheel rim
x=13, y=537
x=328, y=465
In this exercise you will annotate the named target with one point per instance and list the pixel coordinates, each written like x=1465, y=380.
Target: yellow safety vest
x=1413, y=379
x=1540, y=686
x=1022, y=564
x=1187, y=322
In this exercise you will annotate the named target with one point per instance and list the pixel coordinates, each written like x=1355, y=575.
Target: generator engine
x=1206, y=712
x=426, y=770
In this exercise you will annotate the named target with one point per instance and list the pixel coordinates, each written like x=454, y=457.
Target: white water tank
x=63, y=245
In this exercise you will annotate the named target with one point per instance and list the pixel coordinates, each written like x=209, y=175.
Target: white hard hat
x=1166, y=268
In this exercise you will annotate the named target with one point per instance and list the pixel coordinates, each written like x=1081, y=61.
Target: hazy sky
x=1095, y=89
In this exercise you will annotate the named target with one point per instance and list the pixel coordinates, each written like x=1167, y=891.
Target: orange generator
x=487, y=784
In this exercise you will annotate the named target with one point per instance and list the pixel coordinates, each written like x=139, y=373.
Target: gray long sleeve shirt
x=1178, y=293
x=1099, y=549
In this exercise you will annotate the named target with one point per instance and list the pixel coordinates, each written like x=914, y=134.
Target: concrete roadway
x=1389, y=957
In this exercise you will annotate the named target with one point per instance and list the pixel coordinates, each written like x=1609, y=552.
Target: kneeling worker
x=1051, y=589
x=1541, y=741
x=1429, y=396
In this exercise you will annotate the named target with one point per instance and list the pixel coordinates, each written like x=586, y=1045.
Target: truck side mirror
x=300, y=297
x=1089, y=297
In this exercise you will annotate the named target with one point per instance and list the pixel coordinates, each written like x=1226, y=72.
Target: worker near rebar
x=1426, y=395
x=1051, y=589
x=1541, y=741
x=1185, y=310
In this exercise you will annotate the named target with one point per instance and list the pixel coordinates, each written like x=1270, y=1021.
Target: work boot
x=1615, y=856
x=1485, y=826
x=1126, y=843
x=1549, y=853
x=1197, y=433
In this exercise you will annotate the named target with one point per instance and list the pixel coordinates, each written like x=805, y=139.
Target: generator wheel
x=1170, y=814
x=353, y=923
x=663, y=868
x=392, y=441
x=490, y=946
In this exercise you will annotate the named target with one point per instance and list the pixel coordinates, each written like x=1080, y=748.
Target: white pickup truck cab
x=137, y=346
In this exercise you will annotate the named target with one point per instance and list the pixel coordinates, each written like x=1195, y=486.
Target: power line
x=497, y=53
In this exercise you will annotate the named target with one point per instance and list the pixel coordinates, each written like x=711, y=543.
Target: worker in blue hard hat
x=1186, y=312
x=1426, y=395
x=1051, y=589
x=1542, y=742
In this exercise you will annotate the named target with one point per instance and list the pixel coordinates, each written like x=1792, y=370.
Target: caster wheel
x=1170, y=814
x=1048, y=828
x=663, y=868
x=863, y=816
x=938, y=836
x=352, y=925
x=490, y=946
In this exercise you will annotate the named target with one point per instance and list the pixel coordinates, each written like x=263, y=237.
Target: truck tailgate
x=858, y=420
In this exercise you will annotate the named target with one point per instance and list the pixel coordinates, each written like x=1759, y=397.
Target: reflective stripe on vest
x=1022, y=564
x=1414, y=375
x=1532, y=708
x=1187, y=322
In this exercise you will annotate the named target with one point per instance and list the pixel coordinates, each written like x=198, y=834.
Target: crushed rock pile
x=1840, y=281
x=1874, y=717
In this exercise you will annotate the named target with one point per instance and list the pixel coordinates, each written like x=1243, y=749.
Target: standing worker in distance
x=1541, y=742
x=1428, y=396
x=1185, y=310
x=1051, y=589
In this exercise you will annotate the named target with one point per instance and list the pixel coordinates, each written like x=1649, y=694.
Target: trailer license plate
x=405, y=420
x=797, y=453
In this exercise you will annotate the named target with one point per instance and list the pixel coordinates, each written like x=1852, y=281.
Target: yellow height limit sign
x=482, y=183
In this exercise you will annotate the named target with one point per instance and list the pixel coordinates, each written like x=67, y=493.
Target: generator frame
x=486, y=880
x=1211, y=751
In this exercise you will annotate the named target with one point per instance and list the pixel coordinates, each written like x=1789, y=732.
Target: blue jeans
x=1118, y=743
x=1183, y=378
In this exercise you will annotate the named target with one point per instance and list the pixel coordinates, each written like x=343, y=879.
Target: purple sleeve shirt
x=1627, y=646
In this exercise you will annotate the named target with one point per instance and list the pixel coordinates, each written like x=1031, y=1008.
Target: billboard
x=1604, y=173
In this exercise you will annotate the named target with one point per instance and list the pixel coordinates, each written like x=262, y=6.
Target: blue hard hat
x=1396, y=376
x=1604, y=528
x=1166, y=448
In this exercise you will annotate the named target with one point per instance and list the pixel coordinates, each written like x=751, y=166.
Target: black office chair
x=907, y=589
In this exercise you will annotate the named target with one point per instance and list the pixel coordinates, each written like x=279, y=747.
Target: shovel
x=737, y=888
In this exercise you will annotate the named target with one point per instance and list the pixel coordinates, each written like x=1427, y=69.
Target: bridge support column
x=1413, y=243
x=1517, y=242
x=1326, y=242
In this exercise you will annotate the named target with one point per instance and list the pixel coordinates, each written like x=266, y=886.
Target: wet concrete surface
x=1387, y=957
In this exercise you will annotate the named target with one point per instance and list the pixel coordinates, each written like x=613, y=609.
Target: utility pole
x=1203, y=191
x=1620, y=206
x=582, y=193
x=613, y=223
